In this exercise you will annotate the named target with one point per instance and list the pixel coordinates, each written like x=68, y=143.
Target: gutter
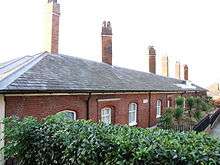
x=8, y=91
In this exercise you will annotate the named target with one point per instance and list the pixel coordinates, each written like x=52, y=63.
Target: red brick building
x=47, y=83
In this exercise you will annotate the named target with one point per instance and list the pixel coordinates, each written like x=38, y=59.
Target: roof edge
x=14, y=75
x=93, y=91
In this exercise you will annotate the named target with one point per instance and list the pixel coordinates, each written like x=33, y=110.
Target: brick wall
x=152, y=60
x=107, y=49
x=120, y=108
x=52, y=20
x=42, y=106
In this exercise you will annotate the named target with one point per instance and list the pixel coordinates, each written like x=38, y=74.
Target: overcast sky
x=185, y=30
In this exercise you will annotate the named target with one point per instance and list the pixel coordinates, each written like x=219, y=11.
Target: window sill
x=158, y=116
x=132, y=124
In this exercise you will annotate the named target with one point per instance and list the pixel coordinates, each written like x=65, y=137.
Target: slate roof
x=60, y=73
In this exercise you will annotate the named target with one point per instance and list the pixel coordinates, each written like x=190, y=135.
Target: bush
x=57, y=140
x=198, y=102
x=178, y=113
x=180, y=101
x=166, y=120
x=197, y=115
x=190, y=104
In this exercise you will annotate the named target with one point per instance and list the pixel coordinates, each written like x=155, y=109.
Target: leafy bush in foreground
x=57, y=140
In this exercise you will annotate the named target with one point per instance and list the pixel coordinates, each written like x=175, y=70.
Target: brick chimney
x=52, y=26
x=107, y=42
x=186, y=72
x=177, y=70
x=165, y=66
x=152, y=59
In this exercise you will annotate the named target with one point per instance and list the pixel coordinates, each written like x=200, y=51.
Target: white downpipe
x=2, y=116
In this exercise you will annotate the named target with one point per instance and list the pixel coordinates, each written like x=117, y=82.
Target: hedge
x=58, y=140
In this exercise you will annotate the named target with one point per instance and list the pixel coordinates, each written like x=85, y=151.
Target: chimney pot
x=106, y=28
x=54, y=1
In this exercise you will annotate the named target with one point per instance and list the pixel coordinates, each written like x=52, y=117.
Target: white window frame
x=158, y=108
x=69, y=111
x=184, y=102
x=132, y=110
x=106, y=117
x=168, y=103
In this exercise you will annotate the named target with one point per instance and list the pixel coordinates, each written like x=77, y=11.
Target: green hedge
x=57, y=140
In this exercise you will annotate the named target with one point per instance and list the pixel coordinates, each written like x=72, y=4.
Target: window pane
x=70, y=114
x=132, y=113
x=106, y=115
x=158, y=108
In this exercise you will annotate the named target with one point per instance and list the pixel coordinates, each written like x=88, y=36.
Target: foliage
x=190, y=104
x=178, y=113
x=166, y=120
x=180, y=101
x=56, y=140
x=204, y=106
x=197, y=115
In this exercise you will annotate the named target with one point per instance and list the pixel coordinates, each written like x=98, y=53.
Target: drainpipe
x=97, y=110
x=149, y=122
x=87, y=108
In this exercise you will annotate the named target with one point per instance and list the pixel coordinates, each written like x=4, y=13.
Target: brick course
x=42, y=106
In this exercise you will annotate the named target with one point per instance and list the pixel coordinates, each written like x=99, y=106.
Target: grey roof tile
x=67, y=73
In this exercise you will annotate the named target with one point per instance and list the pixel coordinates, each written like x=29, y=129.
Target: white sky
x=185, y=30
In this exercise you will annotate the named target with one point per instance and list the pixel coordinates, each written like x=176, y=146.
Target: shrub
x=166, y=120
x=204, y=106
x=190, y=104
x=57, y=140
x=198, y=102
x=180, y=101
x=178, y=113
x=197, y=115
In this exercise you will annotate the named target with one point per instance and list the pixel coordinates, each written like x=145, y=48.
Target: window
x=158, y=109
x=132, y=114
x=106, y=115
x=169, y=103
x=184, y=102
x=69, y=114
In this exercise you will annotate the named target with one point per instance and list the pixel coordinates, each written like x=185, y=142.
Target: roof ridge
x=59, y=72
x=80, y=58
x=12, y=74
x=5, y=64
x=119, y=67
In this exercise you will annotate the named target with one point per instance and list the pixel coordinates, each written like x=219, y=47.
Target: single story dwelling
x=49, y=82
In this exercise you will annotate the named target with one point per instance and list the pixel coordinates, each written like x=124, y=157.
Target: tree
x=190, y=104
x=180, y=102
x=179, y=110
x=197, y=115
x=178, y=114
x=166, y=120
